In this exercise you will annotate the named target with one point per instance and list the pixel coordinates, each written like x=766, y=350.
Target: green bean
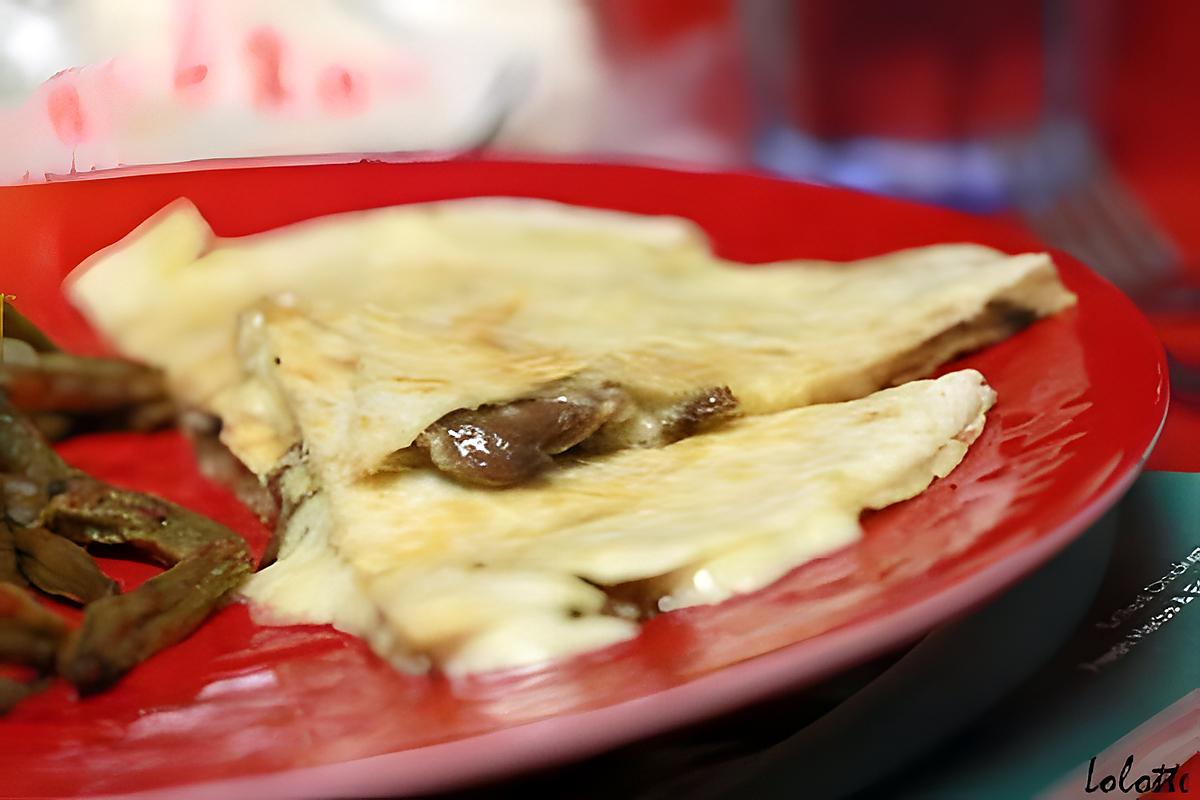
x=29, y=633
x=60, y=568
x=88, y=511
x=29, y=468
x=23, y=498
x=17, y=326
x=208, y=559
x=13, y=692
x=9, y=571
x=48, y=509
x=67, y=383
x=119, y=632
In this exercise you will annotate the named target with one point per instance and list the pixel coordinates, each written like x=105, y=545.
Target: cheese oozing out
x=350, y=336
x=479, y=580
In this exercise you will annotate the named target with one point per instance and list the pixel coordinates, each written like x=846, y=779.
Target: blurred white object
x=33, y=45
x=170, y=81
x=555, y=39
x=650, y=103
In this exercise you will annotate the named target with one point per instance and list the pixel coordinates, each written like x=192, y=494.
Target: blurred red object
x=1151, y=123
x=696, y=46
x=647, y=23
x=924, y=69
x=235, y=699
x=1151, y=120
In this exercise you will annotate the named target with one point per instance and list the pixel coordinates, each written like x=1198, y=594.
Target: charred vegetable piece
x=58, y=567
x=16, y=326
x=88, y=511
x=206, y=559
x=143, y=418
x=29, y=469
x=16, y=639
x=23, y=497
x=13, y=692
x=29, y=634
x=503, y=445
x=23, y=451
x=699, y=413
x=121, y=631
x=55, y=427
x=63, y=382
x=117, y=632
x=9, y=571
x=68, y=395
x=290, y=485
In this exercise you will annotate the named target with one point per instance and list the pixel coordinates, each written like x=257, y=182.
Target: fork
x=1101, y=223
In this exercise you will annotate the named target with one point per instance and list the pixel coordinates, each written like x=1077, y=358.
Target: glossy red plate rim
x=557, y=740
x=569, y=736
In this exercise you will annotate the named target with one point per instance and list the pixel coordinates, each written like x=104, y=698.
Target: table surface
x=1136, y=654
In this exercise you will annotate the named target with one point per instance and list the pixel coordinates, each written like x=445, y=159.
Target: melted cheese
x=482, y=580
x=192, y=285
x=394, y=317
x=779, y=337
x=486, y=300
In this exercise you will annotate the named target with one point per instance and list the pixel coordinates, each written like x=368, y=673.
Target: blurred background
x=1074, y=118
x=979, y=106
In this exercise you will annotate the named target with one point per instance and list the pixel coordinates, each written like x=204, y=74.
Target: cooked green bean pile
x=52, y=514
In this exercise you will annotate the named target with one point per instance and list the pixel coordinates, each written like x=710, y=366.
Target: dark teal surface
x=993, y=705
x=1068, y=713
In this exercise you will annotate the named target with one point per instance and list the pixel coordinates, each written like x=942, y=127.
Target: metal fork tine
x=1134, y=225
x=1050, y=226
x=1054, y=229
x=1106, y=226
x=1067, y=225
x=1109, y=253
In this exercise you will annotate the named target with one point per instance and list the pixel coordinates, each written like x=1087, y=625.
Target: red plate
x=308, y=711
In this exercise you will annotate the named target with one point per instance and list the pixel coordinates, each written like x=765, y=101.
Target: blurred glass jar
x=975, y=105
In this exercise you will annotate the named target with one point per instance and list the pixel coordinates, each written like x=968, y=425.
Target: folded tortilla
x=331, y=347
x=169, y=293
x=487, y=301
x=477, y=580
x=777, y=337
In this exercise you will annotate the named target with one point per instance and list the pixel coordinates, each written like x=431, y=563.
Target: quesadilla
x=524, y=328
x=170, y=292
x=477, y=580
x=500, y=431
